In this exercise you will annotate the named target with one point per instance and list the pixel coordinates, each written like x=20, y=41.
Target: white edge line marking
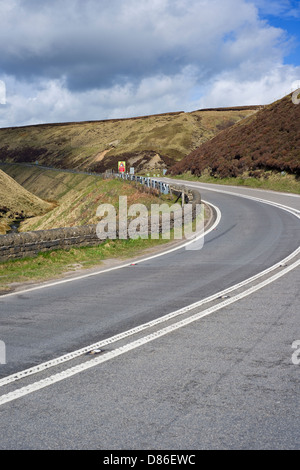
x=74, y=354
x=135, y=344
x=259, y=189
x=79, y=352
x=247, y=188
x=138, y=329
x=253, y=198
x=103, y=271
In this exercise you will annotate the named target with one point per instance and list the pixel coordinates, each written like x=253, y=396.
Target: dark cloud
x=91, y=43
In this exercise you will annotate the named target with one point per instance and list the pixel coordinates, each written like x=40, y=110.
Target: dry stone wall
x=25, y=244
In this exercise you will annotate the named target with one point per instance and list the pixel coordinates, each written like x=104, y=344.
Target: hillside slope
x=17, y=203
x=75, y=197
x=268, y=140
x=147, y=143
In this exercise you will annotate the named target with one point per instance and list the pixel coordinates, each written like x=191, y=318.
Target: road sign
x=121, y=167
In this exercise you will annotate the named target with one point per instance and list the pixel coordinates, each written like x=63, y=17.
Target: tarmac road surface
x=221, y=374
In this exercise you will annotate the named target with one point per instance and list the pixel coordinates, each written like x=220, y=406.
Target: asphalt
x=226, y=381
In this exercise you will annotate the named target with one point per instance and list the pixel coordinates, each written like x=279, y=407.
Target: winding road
x=196, y=345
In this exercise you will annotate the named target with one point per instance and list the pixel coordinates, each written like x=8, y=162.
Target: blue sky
x=75, y=60
x=292, y=27
x=285, y=15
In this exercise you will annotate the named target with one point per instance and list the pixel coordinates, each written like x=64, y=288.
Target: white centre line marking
x=77, y=369
x=136, y=344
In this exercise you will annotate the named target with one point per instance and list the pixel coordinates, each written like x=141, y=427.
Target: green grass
x=271, y=181
x=81, y=195
x=53, y=264
x=56, y=263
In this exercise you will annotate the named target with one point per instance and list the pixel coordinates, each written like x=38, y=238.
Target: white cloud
x=296, y=84
x=2, y=92
x=228, y=90
x=52, y=101
x=97, y=60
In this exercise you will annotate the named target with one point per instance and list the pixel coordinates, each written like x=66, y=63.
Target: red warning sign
x=122, y=167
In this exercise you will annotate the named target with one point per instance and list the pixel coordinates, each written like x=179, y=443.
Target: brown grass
x=18, y=203
x=74, y=197
x=80, y=145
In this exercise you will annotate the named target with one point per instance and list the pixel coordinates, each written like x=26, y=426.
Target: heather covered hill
x=268, y=140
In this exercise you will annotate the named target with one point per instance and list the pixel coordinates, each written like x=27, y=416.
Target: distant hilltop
x=267, y=140
x=147, y=143
x=175, y=113
x=235, y=108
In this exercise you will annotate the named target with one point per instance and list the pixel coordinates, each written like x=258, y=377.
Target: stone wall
x=20, y=245
x=24, y=244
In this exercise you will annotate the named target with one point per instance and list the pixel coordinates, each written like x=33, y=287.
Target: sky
x=77, y=60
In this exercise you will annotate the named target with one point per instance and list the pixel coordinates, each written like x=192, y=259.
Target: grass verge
x=271, y=181
x=54, y=264
x=57, y=263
